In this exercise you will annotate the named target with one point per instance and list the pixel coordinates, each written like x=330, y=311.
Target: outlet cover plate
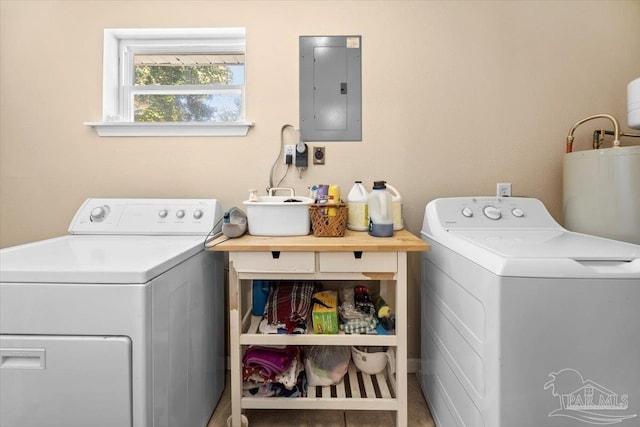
x=503, y=189
x=318, y=155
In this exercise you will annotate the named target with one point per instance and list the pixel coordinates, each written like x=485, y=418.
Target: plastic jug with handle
x=357, y=212
x=396, y=202
x=380, y=211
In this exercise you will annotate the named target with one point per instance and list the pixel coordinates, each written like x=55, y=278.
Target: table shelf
x=355, y=257
x=252, y=336
x=357, y=391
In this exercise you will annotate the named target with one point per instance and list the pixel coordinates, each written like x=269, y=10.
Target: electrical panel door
x=330, y=88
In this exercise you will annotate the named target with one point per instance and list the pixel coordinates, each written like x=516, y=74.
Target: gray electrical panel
x=330, y=88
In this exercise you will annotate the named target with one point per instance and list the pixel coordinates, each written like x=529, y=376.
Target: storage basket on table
x=328, y=220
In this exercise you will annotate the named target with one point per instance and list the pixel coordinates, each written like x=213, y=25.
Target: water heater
x=601, y=192
x=601, y=188
x=633, y=104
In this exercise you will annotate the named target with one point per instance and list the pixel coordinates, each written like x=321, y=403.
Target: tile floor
x=419, y=415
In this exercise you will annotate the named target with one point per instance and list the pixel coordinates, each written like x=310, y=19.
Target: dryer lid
x=99, y=259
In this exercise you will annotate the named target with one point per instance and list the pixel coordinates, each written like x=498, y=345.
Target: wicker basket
x=328, y=220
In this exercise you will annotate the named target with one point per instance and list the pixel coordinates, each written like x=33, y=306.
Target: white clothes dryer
x=120, y=323
x=525, y=323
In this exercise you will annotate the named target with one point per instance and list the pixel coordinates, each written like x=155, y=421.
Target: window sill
x=170, y=129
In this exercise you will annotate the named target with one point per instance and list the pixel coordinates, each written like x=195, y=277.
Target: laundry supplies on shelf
x=325, y=312
x=288, y=307
x=326, y=365
x=380, y=211
x=336, y=263
x=385, y=314
x=396, y=206
x=358, y=214
x=357, y=312
x=273, y=372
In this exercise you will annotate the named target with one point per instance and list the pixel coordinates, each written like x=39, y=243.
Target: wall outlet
x=503, y=189
x=289, y=153
x=318, y=155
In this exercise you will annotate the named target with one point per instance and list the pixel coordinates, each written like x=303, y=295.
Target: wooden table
x=354, y=257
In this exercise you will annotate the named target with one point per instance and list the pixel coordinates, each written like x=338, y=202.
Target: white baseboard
x=413, y=365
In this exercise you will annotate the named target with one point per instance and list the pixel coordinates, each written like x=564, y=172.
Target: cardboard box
x=325, y=313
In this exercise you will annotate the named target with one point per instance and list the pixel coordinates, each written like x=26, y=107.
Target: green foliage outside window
x=217, y=107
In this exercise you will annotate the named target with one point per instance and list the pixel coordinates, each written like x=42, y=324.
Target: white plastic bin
x=279, y=215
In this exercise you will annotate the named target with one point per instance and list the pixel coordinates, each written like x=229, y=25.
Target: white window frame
x=120, y=46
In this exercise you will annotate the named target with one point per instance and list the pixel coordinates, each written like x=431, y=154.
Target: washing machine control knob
x=518, y=213
x=180, y=214
x=99, y=213
x=198, y=214
x=492, y=212
x=163, y=213
x=467, y=212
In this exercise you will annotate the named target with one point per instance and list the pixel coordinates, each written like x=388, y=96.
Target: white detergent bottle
x=380, y=211
x=357, y=212
x=396, y=201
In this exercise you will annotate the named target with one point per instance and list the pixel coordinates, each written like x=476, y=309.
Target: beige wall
x=456, y=97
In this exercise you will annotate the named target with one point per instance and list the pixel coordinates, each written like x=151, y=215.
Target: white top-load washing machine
x=525, y=324
x=120, y=323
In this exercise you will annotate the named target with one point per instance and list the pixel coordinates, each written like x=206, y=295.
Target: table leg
x=234, y=343
x=401, y=334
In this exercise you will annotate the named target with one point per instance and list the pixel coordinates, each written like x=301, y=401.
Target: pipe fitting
x=616, y=129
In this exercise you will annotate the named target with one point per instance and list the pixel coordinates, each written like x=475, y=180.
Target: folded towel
x=366, y=325
x=289, y=303
x=272, y=360
x=256, y=375
x=277, y=389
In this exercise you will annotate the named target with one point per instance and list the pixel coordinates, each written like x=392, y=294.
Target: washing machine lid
x=517, y=236
x=548, y=244
x=96, y=259
x=546, y=253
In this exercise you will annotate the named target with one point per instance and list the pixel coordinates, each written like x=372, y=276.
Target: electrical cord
x=275, y=163
x=208, y=245
x=210, y=236
x=283, y=176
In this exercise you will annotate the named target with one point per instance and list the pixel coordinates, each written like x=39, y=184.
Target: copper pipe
x=616, y=129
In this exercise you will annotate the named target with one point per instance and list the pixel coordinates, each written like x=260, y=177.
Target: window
x=174, y=82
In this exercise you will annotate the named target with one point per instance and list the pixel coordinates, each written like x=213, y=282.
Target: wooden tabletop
x=402, y=241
